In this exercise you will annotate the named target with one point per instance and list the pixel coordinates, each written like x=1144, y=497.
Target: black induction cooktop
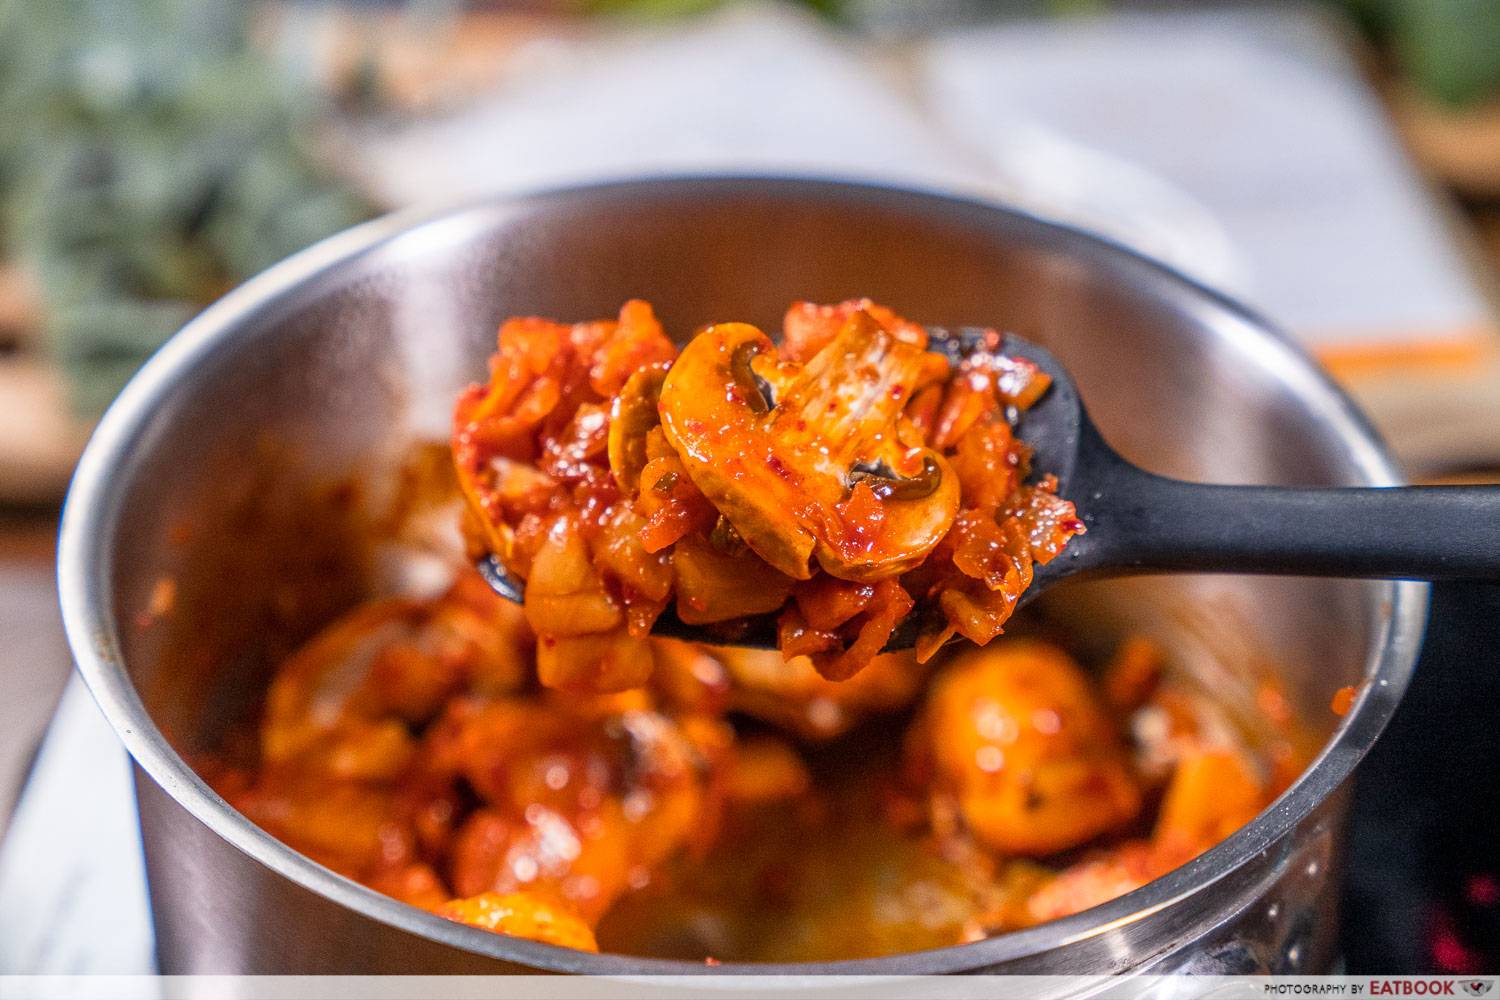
x=1422, y=889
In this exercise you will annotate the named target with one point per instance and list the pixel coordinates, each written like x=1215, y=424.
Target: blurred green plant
x=1449, y=48
x=149, y=160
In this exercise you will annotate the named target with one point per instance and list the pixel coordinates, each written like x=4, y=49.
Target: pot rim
x=91, y=512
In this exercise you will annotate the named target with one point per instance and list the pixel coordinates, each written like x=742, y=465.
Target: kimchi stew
x=836, y=481
x=557, y=773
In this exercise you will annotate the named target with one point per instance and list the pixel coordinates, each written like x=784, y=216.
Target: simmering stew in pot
x=557, y=773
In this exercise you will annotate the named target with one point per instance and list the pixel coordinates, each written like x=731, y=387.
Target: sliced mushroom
x=728, y=451
x=776, y=448
x=915, y=513
x=632, y=415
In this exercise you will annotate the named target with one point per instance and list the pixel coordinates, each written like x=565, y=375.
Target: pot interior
x=245, y=503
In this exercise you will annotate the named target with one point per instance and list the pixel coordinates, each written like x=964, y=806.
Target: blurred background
x=1335, y=164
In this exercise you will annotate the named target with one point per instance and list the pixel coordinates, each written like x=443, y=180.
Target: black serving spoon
x=1139, y=522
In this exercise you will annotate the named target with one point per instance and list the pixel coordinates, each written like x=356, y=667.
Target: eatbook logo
x=1476, y=987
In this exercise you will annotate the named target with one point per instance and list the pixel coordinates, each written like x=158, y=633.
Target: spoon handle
x=1148, y=522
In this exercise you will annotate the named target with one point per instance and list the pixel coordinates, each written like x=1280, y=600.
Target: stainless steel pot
x=326, y=365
